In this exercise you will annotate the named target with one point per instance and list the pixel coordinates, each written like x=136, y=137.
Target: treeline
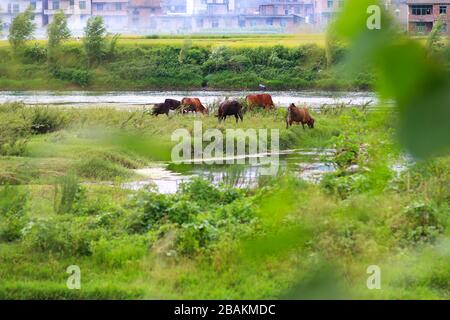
x=98, y=62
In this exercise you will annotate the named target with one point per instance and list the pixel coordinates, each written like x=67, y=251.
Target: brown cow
x=299, y=115
x=262, y=100
x=194, y=104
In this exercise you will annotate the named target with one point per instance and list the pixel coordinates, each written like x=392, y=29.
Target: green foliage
x=67, y=193
x=119, y=251
x=391, y=56
x=13, y=217
x=94, y=40
x=35, y=54
x=101, y=168
x=22, y=29
x=15, y=129
x=79, y=77
x=57, y=32
x=46, y=119
x=434, y=39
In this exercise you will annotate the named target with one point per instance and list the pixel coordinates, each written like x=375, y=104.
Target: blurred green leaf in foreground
x=415, y=77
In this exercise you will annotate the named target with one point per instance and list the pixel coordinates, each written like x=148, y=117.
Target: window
x=33, y=5
x=215, y=23
x=118, y=6
x=330, y=3
x=15, y=8
x=442, y=9
x=421, y=27
x=71, y=3
x=99, y=6
x=421, y=10
x=55, y=5
x=82, y=5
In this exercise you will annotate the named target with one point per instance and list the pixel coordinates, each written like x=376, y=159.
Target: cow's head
x=311, y=123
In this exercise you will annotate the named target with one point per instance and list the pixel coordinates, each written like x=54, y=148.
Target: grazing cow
x=163, y=108
x=299, y=115
x=194, y=104
x=262, y=100
x=230, y=108
x=173, y=104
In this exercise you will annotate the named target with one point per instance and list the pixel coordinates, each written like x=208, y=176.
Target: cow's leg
x=237, y=118
x=241, y=116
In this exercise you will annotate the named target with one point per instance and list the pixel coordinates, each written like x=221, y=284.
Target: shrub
x=46, y=119
x=67, y=193
x=97, y=167
x=77, y=76
x=15, y=129
x=35, y=54
x=62, y=236
x=13, y=216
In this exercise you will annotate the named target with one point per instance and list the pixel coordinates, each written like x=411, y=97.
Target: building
x=399, y=10
x=326, y=10
x=114, y=13
x=423, y=14
x=174, y=6
x=11, y=8
x=77, y=12
x=142, y=13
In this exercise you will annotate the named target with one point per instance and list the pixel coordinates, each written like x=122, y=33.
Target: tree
x=22, y=29
x=94, y=39
x=57, y=31
x=434, y=40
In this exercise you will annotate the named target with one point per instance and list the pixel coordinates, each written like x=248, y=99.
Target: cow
x=299, y=115
x=173, y=104
x=262, y=100
x=193, y=105
x=165, y=107
x=230, y=108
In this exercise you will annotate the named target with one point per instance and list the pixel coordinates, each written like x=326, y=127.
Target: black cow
x=230, y=108
x=165, y=107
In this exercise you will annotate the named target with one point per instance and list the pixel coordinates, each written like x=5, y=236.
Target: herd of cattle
x=235, y=108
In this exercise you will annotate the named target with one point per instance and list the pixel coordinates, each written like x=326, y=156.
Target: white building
x=11, y=8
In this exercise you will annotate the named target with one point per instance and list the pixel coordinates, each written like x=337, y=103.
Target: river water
x=312, y=99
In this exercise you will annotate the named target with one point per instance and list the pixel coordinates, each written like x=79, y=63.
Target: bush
x=13, y=216
x=65, y=236
x=119, y=251
x=15, y=130
x=97, y=167
x=46, y=119
x=67, y=193
x=79, y=77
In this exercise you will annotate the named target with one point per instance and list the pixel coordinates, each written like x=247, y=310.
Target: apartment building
x=423, y=14
x=114, y=13
x=11, y=8
x=326, y=10
x=77, y=11
x=142, y=13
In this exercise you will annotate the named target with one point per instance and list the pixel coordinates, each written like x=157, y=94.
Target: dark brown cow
x=230, y=108
x=163, y=108
x=299, y=115
x=262, y=100
x=194, y=104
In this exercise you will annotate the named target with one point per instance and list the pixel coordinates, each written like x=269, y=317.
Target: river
x=313, y=99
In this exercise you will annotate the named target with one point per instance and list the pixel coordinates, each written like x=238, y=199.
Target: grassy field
x=284, y=239
x=237, y=41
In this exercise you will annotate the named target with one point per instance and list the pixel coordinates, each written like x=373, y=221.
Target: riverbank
x=62, y=202
x=191, y=66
